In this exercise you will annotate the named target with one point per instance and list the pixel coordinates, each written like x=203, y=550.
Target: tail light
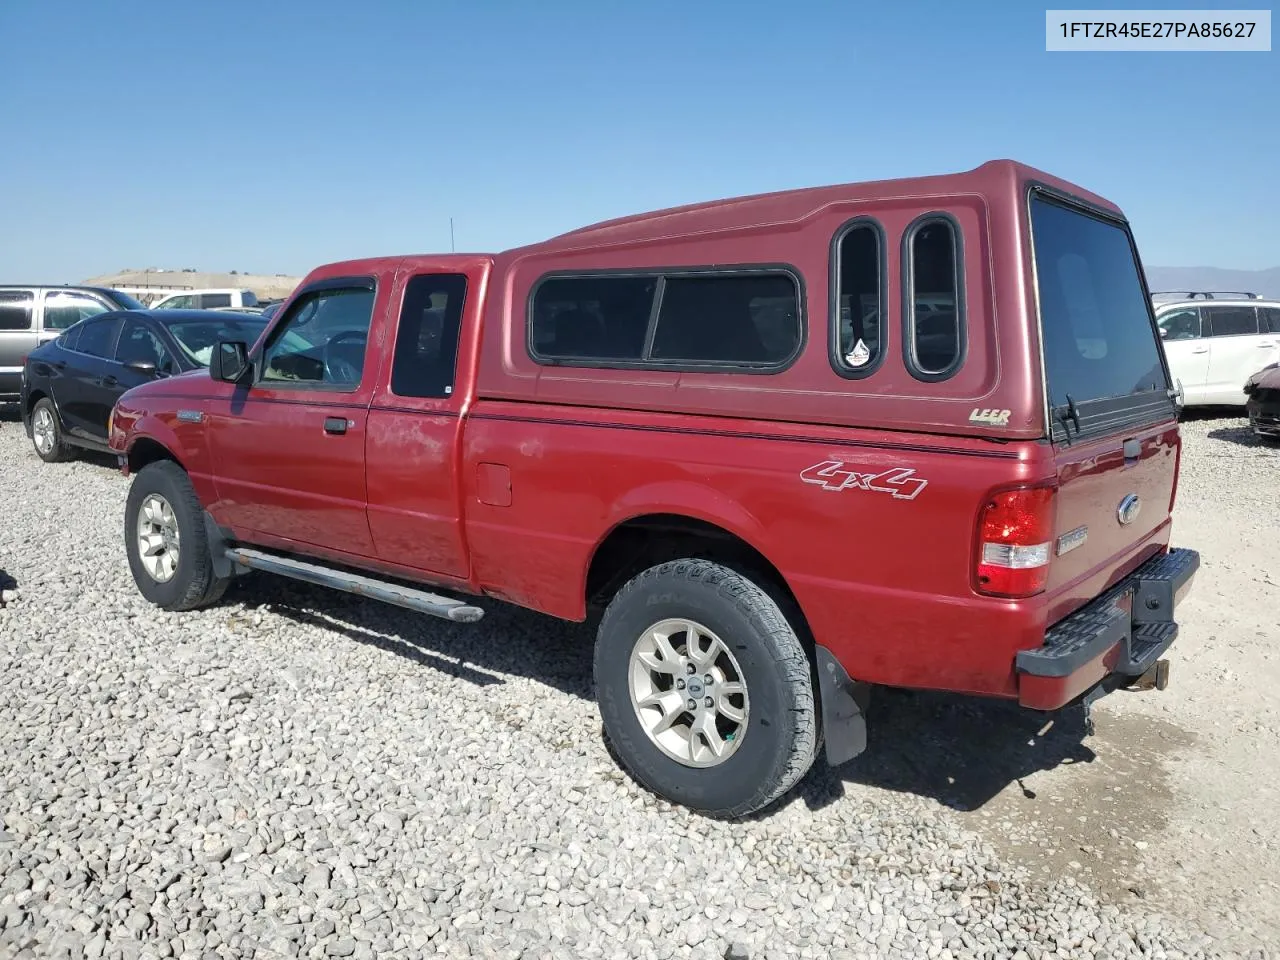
x=1015, y=542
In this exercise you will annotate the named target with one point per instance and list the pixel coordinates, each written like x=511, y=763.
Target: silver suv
x=30, y=315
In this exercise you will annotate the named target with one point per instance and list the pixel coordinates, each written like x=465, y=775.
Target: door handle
x=109, y=380
x=1201, y=350
x=335, y=425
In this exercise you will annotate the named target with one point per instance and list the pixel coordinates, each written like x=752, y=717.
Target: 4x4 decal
x=900, y=482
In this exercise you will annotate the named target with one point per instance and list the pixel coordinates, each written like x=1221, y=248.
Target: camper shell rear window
x=1102, y=355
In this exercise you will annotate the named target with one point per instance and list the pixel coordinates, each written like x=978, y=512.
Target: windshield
x=1095, y=319
x=197, y=337
x=126, y=302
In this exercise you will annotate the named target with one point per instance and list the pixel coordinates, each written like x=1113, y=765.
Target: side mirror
x=230, y=361
x=144, y=367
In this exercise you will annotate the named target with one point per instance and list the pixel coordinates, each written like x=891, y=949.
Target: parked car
x=1263, y=404
x=69, y=384
x=219, y=298
x=32, y=315
x=1214, y=342
x=655, y=418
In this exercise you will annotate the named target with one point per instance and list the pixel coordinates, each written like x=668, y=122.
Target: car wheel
x=166, y=540
x=705, y=691
x=46, y=433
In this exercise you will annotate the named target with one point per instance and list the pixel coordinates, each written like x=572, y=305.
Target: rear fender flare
x=684, y=499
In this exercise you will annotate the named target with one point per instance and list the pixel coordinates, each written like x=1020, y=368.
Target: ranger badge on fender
x=901, y=482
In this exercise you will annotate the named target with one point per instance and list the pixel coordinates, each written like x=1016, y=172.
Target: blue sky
x=274, y=136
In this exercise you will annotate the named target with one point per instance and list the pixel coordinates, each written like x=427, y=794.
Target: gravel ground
x=298, y=773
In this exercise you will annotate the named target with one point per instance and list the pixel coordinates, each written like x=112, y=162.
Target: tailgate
x=1114, y=498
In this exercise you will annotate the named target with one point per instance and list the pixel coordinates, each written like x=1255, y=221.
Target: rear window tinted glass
x=427, y=340
x=97, y=338
x=210, y=300
x=1095, y=319
x=744, y=318
x=935, y=323
x=1230, y=321
x=859, y=306
x=749, y=319
x=1269, y=319
x=15, y=309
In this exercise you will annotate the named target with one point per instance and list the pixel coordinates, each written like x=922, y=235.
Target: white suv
x=214, y=298
x=1215, y=342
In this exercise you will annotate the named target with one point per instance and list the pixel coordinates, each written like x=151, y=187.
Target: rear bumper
x=1113, y=639
x=1264, y=413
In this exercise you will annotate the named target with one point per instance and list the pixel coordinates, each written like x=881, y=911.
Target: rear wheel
x=704, y=688
x=46, y=433
x=166, y=540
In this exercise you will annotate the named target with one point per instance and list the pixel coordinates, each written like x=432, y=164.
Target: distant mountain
x=1265, y=283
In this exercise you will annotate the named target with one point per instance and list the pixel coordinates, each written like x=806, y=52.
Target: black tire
x=194, y=583
x=780, y=741
x=60, y=450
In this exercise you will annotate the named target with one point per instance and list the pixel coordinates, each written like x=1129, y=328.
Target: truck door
x=415, y=428
x=288, y=448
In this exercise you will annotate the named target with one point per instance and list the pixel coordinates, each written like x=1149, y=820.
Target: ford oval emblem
x=1129, y=507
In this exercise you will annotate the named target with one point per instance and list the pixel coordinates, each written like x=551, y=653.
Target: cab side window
x=427, y=339
x=98, y=337
x=1230, y=321
x=61, y=310
x=138, y=344
x=1180, y=325
x=322, y=340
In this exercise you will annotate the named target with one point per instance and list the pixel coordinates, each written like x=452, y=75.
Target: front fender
x=140, y=434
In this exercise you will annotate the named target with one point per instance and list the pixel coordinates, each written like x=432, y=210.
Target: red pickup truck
x=916, y=433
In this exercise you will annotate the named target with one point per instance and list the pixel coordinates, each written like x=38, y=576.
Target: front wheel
x=705, y=691
x=46, y=433
x=166, y=540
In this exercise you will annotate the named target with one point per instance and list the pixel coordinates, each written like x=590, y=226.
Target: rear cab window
x=1103, y=364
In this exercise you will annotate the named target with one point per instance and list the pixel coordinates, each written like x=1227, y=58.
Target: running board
x=393, y=593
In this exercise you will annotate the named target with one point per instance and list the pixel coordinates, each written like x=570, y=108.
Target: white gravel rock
x=299, y=773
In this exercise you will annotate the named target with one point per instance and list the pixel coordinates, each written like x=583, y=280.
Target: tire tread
x=787, y=652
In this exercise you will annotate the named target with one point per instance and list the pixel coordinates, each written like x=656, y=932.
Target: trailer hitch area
x=1156, y=677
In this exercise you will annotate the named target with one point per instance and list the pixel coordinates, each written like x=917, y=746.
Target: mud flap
x=222, y=564
x=844, y=709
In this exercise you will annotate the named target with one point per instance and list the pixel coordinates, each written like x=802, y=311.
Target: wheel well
x=146, y=451
x=36, y=397
x=647, y=541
